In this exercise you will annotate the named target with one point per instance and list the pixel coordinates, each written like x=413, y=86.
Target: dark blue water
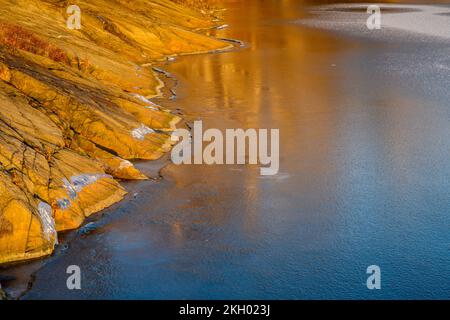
x=364, y=177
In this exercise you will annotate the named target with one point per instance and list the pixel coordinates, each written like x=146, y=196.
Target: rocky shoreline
x=75, y=108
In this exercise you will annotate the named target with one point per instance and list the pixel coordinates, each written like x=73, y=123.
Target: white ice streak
x=76, y=185
x=151, y=104
x=153, y=107
x=142, y=98
x=141, y=132
x=83, y=180
x=47, y=221
x=224, y=26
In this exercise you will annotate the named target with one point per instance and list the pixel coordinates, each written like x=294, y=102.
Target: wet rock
x=23, y=233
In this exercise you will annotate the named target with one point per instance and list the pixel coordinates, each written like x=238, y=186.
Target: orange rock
x=26, y=225
x=75, y=108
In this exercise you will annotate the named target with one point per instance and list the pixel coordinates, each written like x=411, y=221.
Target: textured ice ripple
x=425, y=20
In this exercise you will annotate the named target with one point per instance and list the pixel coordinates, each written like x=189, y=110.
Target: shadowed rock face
x=74, y=108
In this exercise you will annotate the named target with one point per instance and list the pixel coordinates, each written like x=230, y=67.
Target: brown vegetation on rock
x=17, y=37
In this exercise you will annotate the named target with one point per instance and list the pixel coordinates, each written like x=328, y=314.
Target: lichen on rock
x=75, y=108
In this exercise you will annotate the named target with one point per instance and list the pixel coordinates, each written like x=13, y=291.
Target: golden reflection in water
x=287, y=77
x=282, y=79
